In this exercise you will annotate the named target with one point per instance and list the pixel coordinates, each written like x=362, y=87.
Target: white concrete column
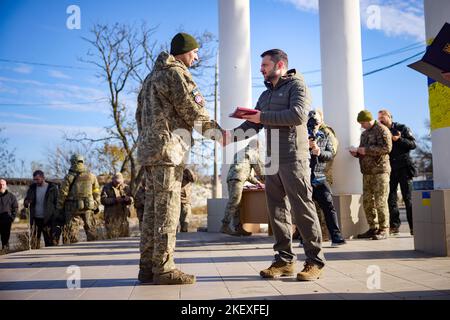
x=342, y=86
x=436, y=14
x=235, y=80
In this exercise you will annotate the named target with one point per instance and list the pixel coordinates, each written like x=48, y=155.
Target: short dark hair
x=276, y=55
x=38, y=173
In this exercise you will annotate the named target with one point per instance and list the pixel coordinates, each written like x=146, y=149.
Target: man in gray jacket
x=284, y=106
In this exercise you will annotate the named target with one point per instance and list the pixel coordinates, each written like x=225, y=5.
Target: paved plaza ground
x=227, y=268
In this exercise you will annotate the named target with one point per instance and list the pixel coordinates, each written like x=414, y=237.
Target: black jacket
x=8, y=204
x=399, y=156
x=318, y=163
x=285, y=107
x=50, y=201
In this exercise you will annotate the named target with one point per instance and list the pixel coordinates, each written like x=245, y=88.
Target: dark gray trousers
x=290, y=192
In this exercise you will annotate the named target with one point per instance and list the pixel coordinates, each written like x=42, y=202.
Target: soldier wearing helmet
x=79, y=198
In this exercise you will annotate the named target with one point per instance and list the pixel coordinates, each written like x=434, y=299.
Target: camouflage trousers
x=185, y=213
x=116, y=226
x=71, y=231
x=235, y=188
x=161, y=216
x=375, y=200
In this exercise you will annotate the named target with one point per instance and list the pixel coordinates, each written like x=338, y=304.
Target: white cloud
x=399, y=18
x=8, y=90
x=58, y=74
x=24, y=69
x=304, y=5
x=49, y=130
x=60, y=96
x=9, y=115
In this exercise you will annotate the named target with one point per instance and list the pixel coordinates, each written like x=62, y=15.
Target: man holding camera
x=402, y=169
x=116, y=197
x=322, y=151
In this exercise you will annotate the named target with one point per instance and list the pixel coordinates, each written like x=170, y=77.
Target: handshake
x=251, y=115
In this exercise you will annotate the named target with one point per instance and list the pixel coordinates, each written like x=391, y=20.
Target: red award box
x=240, y=111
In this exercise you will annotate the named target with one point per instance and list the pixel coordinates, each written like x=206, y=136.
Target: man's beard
x=272, y=75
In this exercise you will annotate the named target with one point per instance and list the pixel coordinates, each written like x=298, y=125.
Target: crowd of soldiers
x=170, y=100
x=56, y=212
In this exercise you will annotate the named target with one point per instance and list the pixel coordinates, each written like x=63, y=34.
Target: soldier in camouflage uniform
x=186, y=192
x=169, y=105
x=373, y=154
x=244, y=166
x=79, y=198
x=116, y=198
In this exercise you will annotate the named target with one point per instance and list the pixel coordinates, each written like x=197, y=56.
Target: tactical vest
x=81, y=192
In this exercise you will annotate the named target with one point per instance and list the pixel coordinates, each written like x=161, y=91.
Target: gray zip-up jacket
x=285, y=107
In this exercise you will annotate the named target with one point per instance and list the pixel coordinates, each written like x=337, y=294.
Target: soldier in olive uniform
x=186, y=193
x=79, y=198
x=373, y=154
x=116, y=197
x=170, y=106
x=245, y=164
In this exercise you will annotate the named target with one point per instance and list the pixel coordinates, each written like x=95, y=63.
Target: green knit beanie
x=182, y=43
x=365, y=116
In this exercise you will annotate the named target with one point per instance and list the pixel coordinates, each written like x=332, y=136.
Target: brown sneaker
x=174, y=277
x=145, y=277
x=278, y=269
x=381, y=235
x=368, y=234
x=241, y=232
x=310, y=272
x=226, y=229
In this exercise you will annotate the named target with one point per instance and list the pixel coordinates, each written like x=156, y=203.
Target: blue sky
x=35, y=31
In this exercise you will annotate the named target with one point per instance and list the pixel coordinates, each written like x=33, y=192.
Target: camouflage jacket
x=243, y=164
x=170, y=106
x=79, y=191
x=186, y=186
x=110, y=196
x=330, y=134
x=378, y=143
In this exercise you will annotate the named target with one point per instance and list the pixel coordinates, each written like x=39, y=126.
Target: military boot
x=368, y=234
x=226, y=229
x=174, y=277
x=241, y=232
x=381, y=235
x=310, y=272
x=145, y=276
x=278, y=269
